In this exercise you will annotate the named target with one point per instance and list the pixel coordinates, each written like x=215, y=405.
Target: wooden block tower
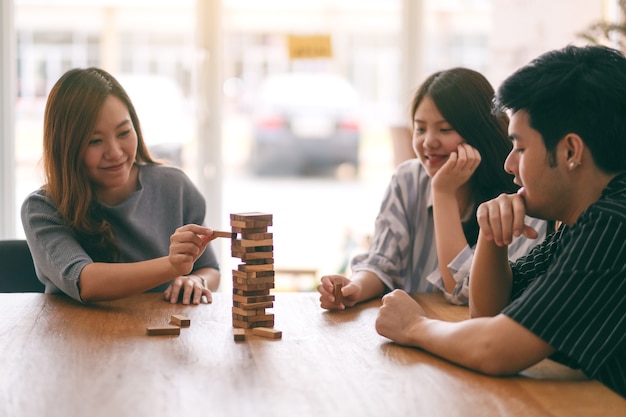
x=254, y=277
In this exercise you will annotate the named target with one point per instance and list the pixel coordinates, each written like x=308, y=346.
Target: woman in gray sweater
x=110, y=221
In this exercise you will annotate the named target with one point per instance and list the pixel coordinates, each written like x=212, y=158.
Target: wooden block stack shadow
x=254, y=277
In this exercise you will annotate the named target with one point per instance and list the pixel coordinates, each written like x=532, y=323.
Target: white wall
x=524, y=29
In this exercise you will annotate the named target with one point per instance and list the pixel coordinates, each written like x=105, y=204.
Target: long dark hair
x=464, y=98
x=70, y=116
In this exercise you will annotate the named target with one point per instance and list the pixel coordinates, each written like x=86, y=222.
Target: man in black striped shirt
x=567, y=299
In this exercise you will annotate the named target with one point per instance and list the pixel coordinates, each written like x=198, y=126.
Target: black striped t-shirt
x=571, y=290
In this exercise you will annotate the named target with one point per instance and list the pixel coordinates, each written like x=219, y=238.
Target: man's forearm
x=490, y=279
x=491, y=345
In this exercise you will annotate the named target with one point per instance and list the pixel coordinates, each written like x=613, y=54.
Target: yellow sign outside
x=312, y=46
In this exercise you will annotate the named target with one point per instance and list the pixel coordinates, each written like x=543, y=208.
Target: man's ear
x=573, y=147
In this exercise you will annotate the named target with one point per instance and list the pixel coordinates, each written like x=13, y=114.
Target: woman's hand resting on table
x=189, y=289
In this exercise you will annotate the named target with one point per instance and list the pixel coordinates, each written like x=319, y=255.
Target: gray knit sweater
x=165, y=200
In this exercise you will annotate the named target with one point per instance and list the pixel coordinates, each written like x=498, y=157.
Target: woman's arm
x=387, y=262
x=451, y=195
x=449, y=237
x=104, y=281
x=101, y=281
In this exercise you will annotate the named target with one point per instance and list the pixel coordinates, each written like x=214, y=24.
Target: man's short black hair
x=579, y=90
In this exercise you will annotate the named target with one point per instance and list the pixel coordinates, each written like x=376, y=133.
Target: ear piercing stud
x=574, y=164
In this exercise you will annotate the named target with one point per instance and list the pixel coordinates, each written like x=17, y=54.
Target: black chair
x=17, y=271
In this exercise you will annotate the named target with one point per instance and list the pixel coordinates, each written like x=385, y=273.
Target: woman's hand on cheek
x=457, y=170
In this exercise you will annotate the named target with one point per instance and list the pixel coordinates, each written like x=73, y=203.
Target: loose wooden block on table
x=267, y=332
x=162, y=330
x=180, y=320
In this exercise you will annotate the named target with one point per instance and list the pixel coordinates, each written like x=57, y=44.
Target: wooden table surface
x=60, y=358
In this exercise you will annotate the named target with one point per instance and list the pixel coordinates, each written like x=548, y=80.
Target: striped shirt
x=402, y=251
x=571, y=290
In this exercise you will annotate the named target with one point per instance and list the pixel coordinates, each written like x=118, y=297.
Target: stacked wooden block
x=254, y=277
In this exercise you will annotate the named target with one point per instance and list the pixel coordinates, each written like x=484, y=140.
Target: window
x=320, y=221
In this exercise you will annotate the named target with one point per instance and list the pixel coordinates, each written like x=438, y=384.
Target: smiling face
x=433, y=137
x=110, y=154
